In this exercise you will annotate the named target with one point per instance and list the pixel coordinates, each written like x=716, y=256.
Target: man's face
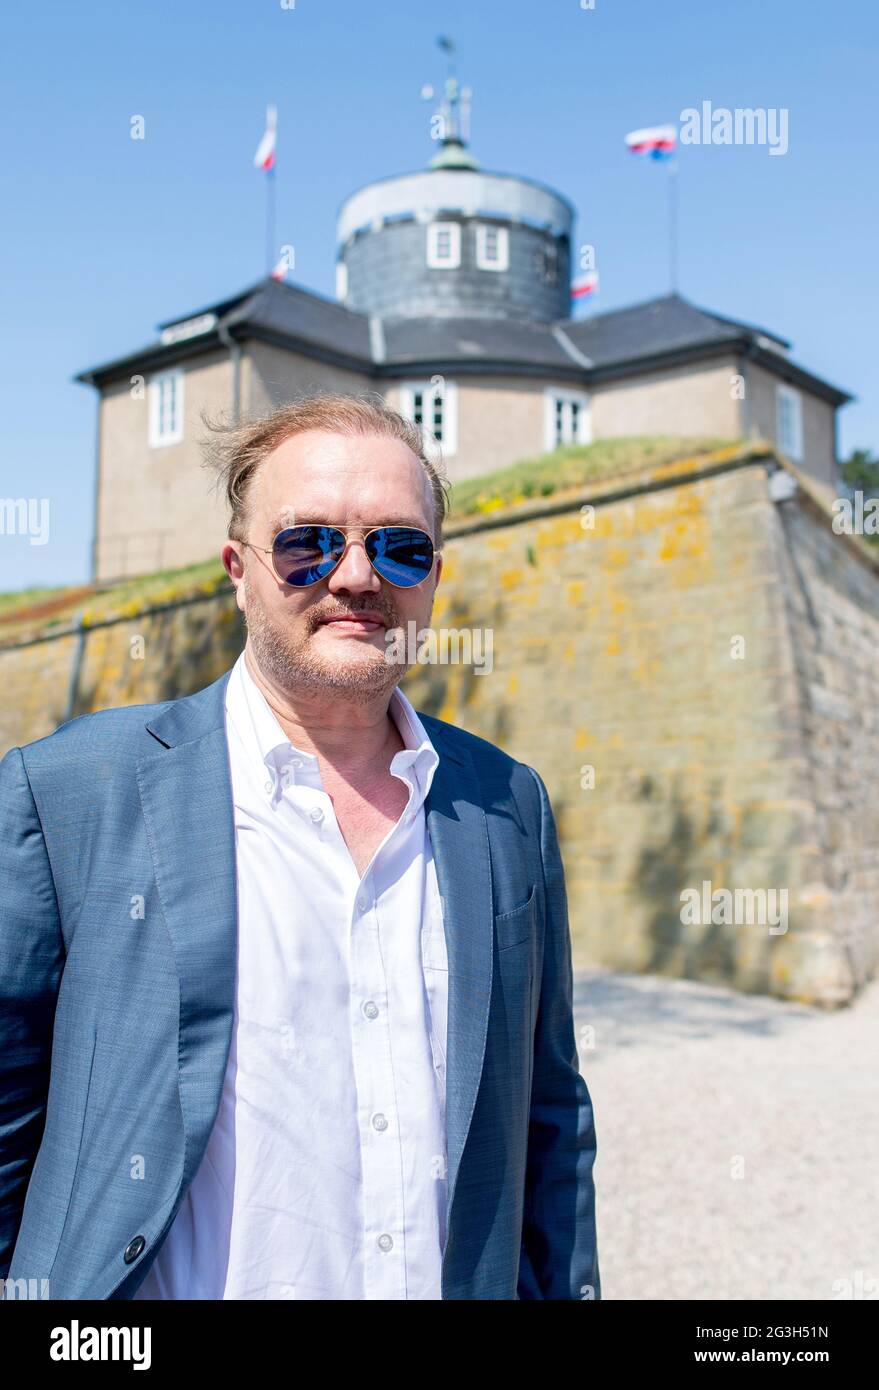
x=344, y=481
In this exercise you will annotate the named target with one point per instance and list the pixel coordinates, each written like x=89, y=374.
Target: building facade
x=453, y=301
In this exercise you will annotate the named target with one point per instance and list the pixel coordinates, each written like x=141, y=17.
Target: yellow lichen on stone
x=615, y=556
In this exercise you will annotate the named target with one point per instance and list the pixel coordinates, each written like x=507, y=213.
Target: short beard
x=292, y=665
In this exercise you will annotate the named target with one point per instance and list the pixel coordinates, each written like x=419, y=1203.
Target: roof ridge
x=573, y=352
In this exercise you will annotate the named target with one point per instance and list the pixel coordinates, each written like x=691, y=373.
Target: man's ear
x=233, y=563
x=233, y=560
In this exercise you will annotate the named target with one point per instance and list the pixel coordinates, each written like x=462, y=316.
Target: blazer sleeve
x=31, y=962
x=559, y=1257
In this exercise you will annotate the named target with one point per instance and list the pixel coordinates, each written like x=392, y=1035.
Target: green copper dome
x=453, y=155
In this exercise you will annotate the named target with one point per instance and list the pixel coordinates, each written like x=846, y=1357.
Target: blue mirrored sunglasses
x=302, y=555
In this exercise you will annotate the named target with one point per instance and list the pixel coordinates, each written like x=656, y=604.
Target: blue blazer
x=116, y=1024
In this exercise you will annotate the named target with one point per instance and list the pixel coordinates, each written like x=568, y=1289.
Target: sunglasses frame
x=347, y=533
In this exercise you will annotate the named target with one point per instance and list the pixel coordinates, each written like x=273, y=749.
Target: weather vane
x=452, y=118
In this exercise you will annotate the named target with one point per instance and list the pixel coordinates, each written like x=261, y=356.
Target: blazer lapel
x=186, y=792
x=458, y=834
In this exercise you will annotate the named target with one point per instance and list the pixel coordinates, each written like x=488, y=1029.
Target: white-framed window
x=444, y=245
x=341, y=280
x=166, y=408
x=492, y=247
x=566, y=418
x=433, y=407
x=789, y=421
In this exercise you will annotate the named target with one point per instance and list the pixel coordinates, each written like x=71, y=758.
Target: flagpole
x=271, y=208
x=673, y=224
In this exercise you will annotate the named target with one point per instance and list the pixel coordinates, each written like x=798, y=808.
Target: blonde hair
x=236, y=450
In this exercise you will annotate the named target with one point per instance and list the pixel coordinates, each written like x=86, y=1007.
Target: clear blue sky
x=103, y=236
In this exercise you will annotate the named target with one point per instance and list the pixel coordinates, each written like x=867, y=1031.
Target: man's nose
x=354, y=571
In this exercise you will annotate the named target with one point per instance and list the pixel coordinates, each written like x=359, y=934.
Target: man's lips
x=355, y=622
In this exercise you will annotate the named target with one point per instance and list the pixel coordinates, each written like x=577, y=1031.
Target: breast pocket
x=516, y=926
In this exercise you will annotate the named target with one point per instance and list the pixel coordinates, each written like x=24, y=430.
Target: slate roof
x=622, y=342
x=295, y=314
x=460, y=341
x=660, y=325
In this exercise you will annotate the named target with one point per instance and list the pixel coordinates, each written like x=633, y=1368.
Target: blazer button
x=133, y=1249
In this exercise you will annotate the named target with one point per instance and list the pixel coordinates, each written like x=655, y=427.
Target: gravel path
x=692, y=1084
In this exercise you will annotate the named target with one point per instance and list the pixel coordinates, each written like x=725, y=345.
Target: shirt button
x=379, y=1122
x=268, y=786
x=297, y=762
x=362, y=904
x=370, y=1009
x=316, y=814
x=385, y=1242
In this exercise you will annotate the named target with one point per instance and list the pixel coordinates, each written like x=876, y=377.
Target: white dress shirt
x=324, y=1175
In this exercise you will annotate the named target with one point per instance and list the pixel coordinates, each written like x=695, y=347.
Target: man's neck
x=349, y=734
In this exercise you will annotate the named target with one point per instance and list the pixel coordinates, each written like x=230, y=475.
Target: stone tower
x=454, y=239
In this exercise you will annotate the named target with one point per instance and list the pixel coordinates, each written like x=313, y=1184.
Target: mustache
x=387, y=611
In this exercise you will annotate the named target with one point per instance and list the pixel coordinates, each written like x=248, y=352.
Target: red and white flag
x=585, y=285
x=657, y=141
x=265, y=154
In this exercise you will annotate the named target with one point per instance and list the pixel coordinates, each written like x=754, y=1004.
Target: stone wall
x=691, y=668
x=706, y=657
x=831, y=598
x=156, y=655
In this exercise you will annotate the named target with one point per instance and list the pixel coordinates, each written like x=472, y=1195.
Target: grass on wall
x=573, y=466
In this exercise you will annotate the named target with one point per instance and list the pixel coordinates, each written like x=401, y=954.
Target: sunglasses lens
x=401, y=555
x=304, y=554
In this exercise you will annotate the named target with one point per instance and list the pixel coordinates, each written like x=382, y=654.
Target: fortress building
x=453, y=300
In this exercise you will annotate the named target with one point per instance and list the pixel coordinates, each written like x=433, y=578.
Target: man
x=285, y=966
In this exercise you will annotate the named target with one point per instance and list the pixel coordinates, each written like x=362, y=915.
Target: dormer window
x=492, y=247
x=444, y=245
